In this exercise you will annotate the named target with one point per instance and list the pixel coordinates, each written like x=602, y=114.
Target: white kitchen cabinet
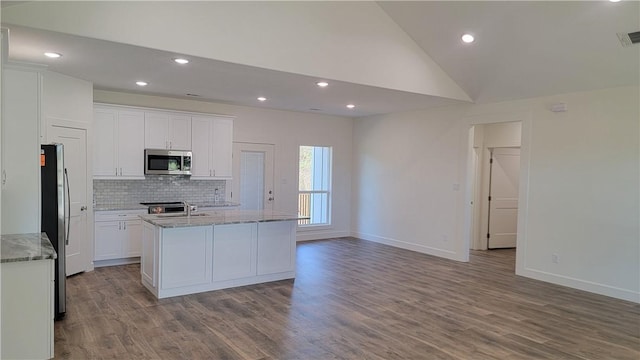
x=234, y=251
x=186, y=256
x=118, y=146
x=276, y=247
x=118, y=236
x=27, y=309
x=20, y=151
x=212, y=145
x=167, y=131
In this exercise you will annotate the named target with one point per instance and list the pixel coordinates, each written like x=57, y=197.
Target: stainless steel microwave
x=167, y=162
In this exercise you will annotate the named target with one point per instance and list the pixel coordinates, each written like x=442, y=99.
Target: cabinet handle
x=120, y=171
x=4, y=177
x=116, y=171
x=119, y=225
x=124, y=226
x=170, y=144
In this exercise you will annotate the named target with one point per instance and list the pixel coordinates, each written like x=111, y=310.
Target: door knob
x=83, y=208
x=270, y=199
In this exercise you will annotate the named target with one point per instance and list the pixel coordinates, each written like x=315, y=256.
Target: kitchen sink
x=181, y=215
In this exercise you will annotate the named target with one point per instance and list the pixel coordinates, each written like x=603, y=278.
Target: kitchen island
x=216, y=250
x=27, y=277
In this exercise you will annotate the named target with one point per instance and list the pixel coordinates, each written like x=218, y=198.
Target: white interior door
x=253, y=176
x=75, y=162
x=503, y=198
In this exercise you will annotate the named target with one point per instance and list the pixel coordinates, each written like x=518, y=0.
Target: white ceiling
x=523, y=49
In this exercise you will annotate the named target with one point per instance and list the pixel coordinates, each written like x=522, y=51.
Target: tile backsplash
x=157, y=188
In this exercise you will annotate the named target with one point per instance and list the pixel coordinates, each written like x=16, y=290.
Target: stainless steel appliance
x=55, y=214
x=167, y=207
x=167, y=162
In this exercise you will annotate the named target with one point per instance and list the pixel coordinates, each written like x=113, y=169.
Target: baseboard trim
x=447, y=254
x=319, y=235
x=580, y=284
x=115, y=262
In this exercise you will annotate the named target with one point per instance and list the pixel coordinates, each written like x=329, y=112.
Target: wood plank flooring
x=352, y=299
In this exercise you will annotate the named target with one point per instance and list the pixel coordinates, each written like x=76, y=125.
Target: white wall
x=287, y=130
x=579, y=193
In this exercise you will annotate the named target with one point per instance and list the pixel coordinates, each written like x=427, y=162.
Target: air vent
x=629, y=39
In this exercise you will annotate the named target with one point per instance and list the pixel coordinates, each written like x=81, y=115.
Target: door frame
x=49, y=123
x=465, y=220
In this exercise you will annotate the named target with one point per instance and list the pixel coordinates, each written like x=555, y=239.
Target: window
x=314, y=197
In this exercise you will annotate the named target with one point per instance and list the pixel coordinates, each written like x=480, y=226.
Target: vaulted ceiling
x=381, y=56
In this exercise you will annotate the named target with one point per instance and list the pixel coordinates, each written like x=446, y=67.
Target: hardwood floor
x=352, y=299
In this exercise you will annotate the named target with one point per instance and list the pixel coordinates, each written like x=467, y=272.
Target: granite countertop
x=26, y=247
x=218, y=218
x=137, y=206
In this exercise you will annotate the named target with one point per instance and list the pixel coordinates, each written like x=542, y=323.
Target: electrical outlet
x=555, y=258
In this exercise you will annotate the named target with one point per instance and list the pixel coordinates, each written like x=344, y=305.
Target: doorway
x=253, y=176
x=495, y=168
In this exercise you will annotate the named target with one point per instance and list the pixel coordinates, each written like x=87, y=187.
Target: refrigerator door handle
x=67, y=215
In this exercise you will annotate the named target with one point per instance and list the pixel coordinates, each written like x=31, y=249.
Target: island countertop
x=26, y=247
x=218, y=218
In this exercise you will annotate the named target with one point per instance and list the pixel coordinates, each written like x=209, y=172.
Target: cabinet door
x=222, y=140
x=276, y=247
x=149, y=255
x=20, y=151
x=180, y=132
x=27, y=309
x=108, y=240
x=156, y=130
x=186, y=256
x=130, y=145
x=104, y=142
x=234, y=251
x=200, y=146
x=132, y=238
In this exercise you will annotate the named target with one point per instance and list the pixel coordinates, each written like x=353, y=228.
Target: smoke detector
x=629, y=39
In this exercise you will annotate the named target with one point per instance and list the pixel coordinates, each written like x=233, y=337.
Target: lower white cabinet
x=234, y=251
x=276, y=247
x=27, y=309
x=186, y=257
x=118, y=235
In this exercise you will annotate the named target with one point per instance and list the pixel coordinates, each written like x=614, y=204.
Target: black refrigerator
x=55, y=210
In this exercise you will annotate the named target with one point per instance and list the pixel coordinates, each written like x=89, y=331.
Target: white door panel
x=253, y=176
x=503, y=206
x=75, y=163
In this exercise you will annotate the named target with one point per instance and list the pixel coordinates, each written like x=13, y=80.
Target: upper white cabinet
x=167, y=131
x=118, y=145
x=212, y=144
x=20, y=151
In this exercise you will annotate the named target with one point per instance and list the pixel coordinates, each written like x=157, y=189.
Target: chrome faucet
x=187, y=208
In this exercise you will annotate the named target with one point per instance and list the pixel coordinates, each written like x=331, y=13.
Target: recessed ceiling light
x=614, y=0
x=322, y=83
x=52, y=55
x=351, y=106
x=468, y=38
x=261, y=98
x=181, y=61
x=141, y=83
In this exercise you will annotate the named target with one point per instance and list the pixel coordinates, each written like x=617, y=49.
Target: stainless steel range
x=164, y=207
